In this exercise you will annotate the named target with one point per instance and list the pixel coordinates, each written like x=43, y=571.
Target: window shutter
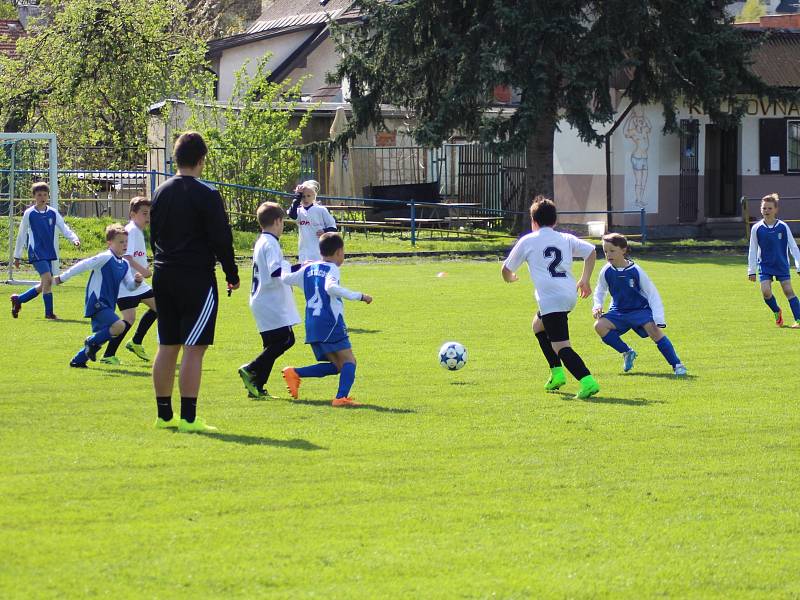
x=771, y=142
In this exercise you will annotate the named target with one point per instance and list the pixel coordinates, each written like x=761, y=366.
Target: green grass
x=472, y=484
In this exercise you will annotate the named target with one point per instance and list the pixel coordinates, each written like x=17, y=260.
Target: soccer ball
x=452, y=356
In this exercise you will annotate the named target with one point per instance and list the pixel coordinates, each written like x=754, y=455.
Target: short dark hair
x=268, y=213
x=774, y=198
x=137, y=202
x=114, y=230
x=616, y=239
x=543, y=211
x=329, y=243
x=190, y=148
x=40, y=186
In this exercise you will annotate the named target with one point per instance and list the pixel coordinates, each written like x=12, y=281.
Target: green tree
x=253, y=138
x=7, y=10
x=91, y=68
x=752, y=11
x=442, y=58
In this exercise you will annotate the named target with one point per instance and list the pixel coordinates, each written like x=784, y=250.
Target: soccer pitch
x=472, y=484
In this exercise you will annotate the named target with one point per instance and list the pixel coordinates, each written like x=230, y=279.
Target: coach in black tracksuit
x=189, y=233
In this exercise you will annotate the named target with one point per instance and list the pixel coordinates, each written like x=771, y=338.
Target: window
x=793, y=146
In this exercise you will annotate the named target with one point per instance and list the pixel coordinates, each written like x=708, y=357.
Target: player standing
x=312, y=220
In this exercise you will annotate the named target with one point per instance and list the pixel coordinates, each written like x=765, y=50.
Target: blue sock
x=665, y=347
x=795, y=304
x=612, y=339
x=100, y=337
x=317, y=370
x=48, y=303
x=346, y=379
x=28, y=295
x=772, y=303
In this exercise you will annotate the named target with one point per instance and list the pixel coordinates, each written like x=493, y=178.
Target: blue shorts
x=43, y=266
x=768, y=276
x=105, y=317
x=322, y=348
x=634, y=319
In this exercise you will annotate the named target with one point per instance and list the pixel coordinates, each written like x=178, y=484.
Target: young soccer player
x=771, y=240
x=312, y=220
x=109, y=270
x=549, y=256
x=127, y=301
x=37, y=233
x=325, y=327
x=271, y=300
x=635, y=304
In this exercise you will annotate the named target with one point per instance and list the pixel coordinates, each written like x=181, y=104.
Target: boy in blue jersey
x=37, y=234
x=771, y=240
x=635, y=304
x=325, y=327
x=109, y=270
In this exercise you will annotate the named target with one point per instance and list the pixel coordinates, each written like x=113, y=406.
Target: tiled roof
x=10, y=32
x=281, y=14
x=777, y=60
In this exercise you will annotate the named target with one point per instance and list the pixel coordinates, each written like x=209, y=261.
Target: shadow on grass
x=463, y=383
x=354, y=330
x=660, y=375
x=610, y=400
x=125, y=372
x=253, y=440
x=71, y=321
x=373, y=407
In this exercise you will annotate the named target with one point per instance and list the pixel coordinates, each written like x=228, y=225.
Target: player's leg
x=610, y=336
x=47, y=294
x=146, y=322
x=105, y=324
x=794, y=302
x=557, y=327
x=769, y=299
x=128, y=308
x=345, y=362
x=17, y=300
x=163, y=382
x=557, y=376
x=256, y=373
x=666, y=348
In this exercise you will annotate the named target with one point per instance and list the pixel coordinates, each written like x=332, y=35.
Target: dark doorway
x=722, y=171
x=687, y=203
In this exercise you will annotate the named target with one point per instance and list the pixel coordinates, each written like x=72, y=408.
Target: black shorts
x=133, y=301
x=187, y=307
x=556, y=325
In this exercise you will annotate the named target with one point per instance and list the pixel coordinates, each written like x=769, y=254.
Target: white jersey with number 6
x=549, y=256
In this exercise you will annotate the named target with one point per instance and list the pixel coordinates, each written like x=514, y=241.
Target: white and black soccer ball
x=452, y=356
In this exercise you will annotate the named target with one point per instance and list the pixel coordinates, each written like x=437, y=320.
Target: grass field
x=474, y=484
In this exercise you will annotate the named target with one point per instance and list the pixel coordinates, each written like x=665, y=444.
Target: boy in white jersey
x=108, y=271
x=325, y=327
x=271, y=300
x=127, y=301
x=37, y=235
x=312, y=220
x=549, y=256
x=635, y=304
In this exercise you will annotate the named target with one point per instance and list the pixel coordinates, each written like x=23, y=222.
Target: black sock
x=547, y=349
x=188, y=409
x=573, y=362
x=164, y=404
x=114, y=342
x=147, y=321
x=275, y=342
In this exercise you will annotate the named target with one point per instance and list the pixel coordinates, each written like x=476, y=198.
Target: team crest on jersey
x=780, y=235
x=51, y=221
x=631, y=283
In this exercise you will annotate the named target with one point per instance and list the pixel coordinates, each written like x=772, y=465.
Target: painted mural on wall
x=641, y=164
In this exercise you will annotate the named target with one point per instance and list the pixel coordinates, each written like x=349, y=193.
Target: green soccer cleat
x=111, y=360
x=196, y=426
x=557, y=379
x=249, y=383
x=138, y=350
x=171, y=424
x=589, y=387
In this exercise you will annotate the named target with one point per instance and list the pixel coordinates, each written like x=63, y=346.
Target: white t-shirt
x=137, y=250
x=309, y=221
x=271, y=300
x=549, y=255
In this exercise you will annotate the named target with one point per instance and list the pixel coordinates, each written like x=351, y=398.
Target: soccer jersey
x=549, y=254
x=108, y=272
x=37, y=233
x=309, y=221
x=631, y=290
x=770, y=247
x=137, y=250
x=324, y=306
x=271, y=299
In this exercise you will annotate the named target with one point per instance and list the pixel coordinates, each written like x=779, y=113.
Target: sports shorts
x=187, y=306
x=133, y=301
x=43, y=266
x=762, y=276
x=322, y=348
x=556, y=325
x=105, y=317
x=633, y=319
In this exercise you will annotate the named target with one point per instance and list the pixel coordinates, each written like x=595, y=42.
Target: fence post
x=746, y=215
x=152, y=183
x=643, y=225
x=413, y=223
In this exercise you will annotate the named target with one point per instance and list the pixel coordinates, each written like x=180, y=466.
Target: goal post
x=26, y=157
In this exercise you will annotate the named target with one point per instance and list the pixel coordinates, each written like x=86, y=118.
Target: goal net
x=25, y=158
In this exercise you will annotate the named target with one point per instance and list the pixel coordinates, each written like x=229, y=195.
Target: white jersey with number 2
x=549, y=256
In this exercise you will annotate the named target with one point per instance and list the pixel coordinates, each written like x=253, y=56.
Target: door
x=722, y=171
x=687, y=201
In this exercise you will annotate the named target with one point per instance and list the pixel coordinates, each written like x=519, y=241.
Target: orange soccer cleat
x=779, y=318
x=345, y=402
x=292, y=381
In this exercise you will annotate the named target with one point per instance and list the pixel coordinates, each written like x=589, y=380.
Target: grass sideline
x=472, y=484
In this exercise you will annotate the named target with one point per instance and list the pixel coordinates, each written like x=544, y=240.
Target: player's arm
x=793, y=248
x=752, y=253
x=650, y=292
x=292, y=212
x=132, y=279
x=334, y=289
x=600, y=293
x=221, y=238
x=138, y=268
x=587, y=251
x=329, y=223
x=22, y=238
x=512, y=263
x=87, y=264
x=66, y=231
x=290, y=277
